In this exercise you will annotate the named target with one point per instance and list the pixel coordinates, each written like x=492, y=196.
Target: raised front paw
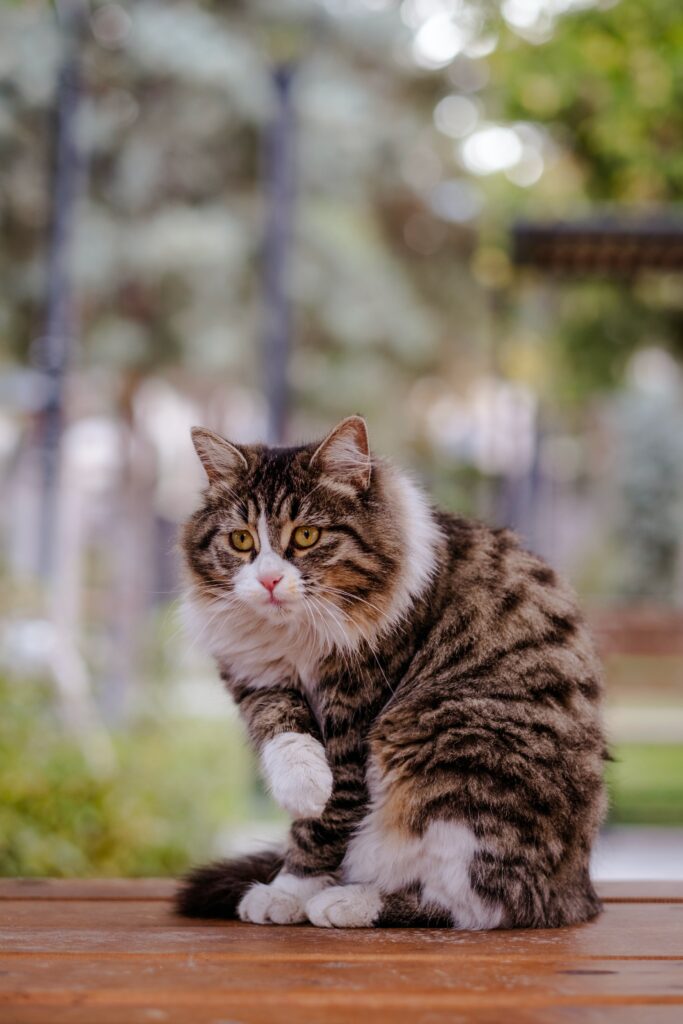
x=298, y=774
x=283, y=901
x=345, y=906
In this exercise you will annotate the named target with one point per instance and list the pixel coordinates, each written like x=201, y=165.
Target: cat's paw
x=297, y=774
x=265, y=904
x=345, y=906
x=283, y=901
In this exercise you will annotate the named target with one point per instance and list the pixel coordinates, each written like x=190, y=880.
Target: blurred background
x=459, y=218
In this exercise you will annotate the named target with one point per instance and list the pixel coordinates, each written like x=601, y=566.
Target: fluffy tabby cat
x=422, y=692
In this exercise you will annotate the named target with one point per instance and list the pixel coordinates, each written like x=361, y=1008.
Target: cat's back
x=489, y=574
x=490, y=559
x=500, y=621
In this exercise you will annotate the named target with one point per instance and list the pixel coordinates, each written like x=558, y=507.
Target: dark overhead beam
x=600, y=246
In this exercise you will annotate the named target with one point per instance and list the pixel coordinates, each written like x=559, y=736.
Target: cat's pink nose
x=269, y=582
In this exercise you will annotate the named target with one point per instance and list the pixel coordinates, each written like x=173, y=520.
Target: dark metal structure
x=600, y=246
x=280, y=171
x=52, y=350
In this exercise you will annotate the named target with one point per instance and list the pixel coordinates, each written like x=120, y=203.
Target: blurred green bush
x=176, y=784
x=646, y=784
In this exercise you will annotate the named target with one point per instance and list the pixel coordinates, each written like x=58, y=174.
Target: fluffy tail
x=215, y=890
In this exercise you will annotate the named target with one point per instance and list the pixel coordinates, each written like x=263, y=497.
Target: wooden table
x=112, y=952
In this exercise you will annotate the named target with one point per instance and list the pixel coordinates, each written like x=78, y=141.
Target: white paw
x=263, y=904
x=297, y=773
x=345, y=906
x=283, y=901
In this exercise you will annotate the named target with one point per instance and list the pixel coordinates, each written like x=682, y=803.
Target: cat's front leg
x=297, y=773
x=285, y=734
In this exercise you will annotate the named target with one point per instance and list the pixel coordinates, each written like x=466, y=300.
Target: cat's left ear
x=220, y=459
x=344, y=455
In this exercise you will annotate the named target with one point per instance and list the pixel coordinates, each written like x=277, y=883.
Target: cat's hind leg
x=364, y=906
x=434, y=868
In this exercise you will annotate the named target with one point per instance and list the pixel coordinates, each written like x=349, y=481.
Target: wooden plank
x=624, y=930
x=164, y=888
x=641, y=892
x=195, y=980
x=107, y=951
x=641, y=1014
x=450, y=983
x=87, y=889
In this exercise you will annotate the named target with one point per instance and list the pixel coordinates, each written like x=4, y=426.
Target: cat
x=422, y=691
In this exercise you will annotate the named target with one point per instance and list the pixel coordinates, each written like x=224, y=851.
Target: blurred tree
x=386, y=252
x=604, y=82
x=609, y=87
x=423, y=129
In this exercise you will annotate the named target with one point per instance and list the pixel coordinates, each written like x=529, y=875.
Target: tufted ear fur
x=220, y=459
x=344, y=455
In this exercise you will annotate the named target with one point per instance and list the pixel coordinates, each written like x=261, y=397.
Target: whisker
x=351, y=597
x=319, y=621
x=342, y=648
x=325, y=616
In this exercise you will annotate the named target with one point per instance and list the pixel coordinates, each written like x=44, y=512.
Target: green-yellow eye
x=241, y=540
x=306, y=536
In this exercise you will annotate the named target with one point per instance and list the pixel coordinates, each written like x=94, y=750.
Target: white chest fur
x=260, y=652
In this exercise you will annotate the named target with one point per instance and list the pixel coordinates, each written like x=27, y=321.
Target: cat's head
x=321, y=537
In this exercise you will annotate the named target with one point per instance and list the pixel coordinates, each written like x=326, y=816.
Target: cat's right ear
x=220, y=459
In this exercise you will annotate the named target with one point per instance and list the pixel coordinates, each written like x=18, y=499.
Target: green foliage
x=609, y=85
x=168, y=238
x=177, y=782
x=600, y=325
x=606, y=87
x=646, y=784
x=386, y=287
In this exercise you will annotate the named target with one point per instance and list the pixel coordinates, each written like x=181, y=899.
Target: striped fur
x=446, y=672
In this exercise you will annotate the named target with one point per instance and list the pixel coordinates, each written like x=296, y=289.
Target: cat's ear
x=344, y=455
x=220, y=459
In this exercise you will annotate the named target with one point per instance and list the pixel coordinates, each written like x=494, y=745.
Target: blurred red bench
x=639, y=630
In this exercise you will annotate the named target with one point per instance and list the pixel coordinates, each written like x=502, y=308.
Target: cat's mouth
x=275, y=603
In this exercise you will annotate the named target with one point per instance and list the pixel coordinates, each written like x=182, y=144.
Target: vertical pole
x=279, y=185
x=52, y=350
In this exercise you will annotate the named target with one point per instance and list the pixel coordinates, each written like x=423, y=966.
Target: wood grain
x=163, y=889
x=91, y=889
x=113, y=951
x=643, y=1014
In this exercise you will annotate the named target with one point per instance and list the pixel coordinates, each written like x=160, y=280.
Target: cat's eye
x=241, y=540
x=306, y=536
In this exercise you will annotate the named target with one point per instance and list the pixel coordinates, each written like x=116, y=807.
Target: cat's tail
x=215, y=890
